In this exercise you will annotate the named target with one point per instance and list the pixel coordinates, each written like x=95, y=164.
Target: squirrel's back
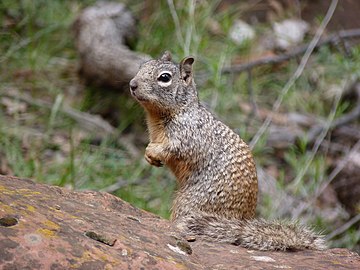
x=221, y=174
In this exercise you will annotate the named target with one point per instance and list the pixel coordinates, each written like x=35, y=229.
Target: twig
x=315, y=125
x=325, y=129
x=338, y=168
x=350, y=132
x=298, y=71
x=341, y=165
x=23, y=43
x=119, y=184
x=254, y=108
x=176, y=21
x=343, y=227
x=190, y=29
x=251, y=94
x=284, y=119
x=333, y=39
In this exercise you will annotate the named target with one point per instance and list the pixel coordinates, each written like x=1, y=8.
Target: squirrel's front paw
x=152, y=161
x=152, y=154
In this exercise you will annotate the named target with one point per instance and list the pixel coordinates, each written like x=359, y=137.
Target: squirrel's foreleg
x=155, y=154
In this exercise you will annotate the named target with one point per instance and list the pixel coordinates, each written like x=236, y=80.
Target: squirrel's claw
x=154, y=162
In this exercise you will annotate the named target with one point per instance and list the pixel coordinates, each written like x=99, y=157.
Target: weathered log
x=47, y=227
x=102, y=33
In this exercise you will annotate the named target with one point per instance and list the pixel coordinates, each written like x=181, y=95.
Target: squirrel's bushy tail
x=255, y=234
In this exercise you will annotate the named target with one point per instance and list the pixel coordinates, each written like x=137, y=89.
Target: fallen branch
x=332, y=39
x=289, y=127
x=101, y=34
x=88, y=121
x=283, y=119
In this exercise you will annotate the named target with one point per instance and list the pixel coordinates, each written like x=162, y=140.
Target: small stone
x=184, y=246
x=289, y=32
x=190, y=238
x=101, y=238
x=124, y=252
x=241, y=32
x=134, y=218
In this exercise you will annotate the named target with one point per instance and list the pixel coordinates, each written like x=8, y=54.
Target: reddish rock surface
x=46, y=227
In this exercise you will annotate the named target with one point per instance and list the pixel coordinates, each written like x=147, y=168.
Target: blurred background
x=284, y=74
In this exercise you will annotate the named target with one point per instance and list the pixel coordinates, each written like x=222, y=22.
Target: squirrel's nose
x=133, y=85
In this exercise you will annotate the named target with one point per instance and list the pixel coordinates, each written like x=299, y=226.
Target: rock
x=102, y=33
x=289, y=32
x=47, y=227
x=241, y=32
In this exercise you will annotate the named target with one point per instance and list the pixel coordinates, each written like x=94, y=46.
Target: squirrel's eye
x=164, y=77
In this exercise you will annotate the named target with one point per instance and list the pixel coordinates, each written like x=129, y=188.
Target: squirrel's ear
x=166, y=56
x=186, y=69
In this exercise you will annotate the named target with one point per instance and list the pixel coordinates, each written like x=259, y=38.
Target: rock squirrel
x=214, y=167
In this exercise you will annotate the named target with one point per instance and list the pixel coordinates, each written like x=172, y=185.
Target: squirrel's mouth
x=137, y=96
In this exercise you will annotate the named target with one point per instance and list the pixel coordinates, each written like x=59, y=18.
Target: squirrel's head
x=163, y=86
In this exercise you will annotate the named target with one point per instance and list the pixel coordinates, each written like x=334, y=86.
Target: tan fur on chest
x=180, y=169
x=156, y=130
x=157, y=134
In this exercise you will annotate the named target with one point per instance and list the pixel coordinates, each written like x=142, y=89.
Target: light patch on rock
x=241, y=32
x=33, y=239
x=262, y=258
x=176, y=249
x=289, y=32
x=281, y=266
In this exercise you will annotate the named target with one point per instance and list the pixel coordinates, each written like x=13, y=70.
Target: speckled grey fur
x=215, y=170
